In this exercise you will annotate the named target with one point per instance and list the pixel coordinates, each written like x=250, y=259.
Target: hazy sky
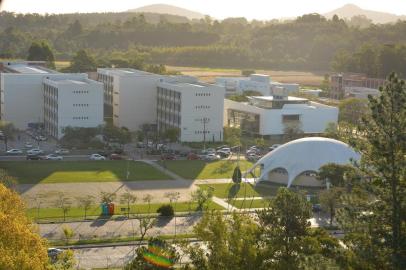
x=258, y=9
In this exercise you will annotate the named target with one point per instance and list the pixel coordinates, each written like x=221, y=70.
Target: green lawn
x=249, y=203
x=76, y=212
x=33, y=172
x=199, y=169
x=239, y=191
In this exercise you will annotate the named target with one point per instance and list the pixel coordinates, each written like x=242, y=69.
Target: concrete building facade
x=342, y=83
x=71, y=103
x=269, y=116
x=129, y=96
x=191, y=107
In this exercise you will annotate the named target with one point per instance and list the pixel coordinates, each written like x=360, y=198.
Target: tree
x=68, y=233
x=115, y=134
x=376, y=221
x=334, y=173
x=41, y=51
x=352, y=110
x=7, y=180
x=292, y=130
x=166, y=210
x=232, y=136
x=230, y=243
x=237, y=175
x=329, y=199
x=82, y=62
x=86, y=202
x=290, y=243
x=64, y=204
x=107, y=197
x=128, y=198
x=20, y=245
x=64, y=261
x=202, y=197
x=260, y=142
x=172, y=134
x=9, y=132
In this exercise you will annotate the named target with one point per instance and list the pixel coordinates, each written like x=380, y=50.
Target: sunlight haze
x=255, y=9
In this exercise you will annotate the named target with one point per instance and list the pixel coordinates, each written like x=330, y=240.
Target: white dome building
x=296, y=162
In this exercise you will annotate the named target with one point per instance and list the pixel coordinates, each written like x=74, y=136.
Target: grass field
x=199, y=169
x=209, y=74
x=248, y=203
x=33, y=172
x=77, y=212
x=231, y=190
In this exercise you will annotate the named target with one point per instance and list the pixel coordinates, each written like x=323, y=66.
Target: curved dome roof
x=306, y=154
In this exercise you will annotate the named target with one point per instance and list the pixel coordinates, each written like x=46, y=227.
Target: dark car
x=33, y=157
x=115, y=157
x=193, y=156
x=168, y=157
x=316, y=208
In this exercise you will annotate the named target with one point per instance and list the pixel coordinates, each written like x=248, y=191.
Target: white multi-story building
x=269, y=115
x=255, y=82
x=192, y=107
x=71, y=103
x=129, y=96
x=22, y=93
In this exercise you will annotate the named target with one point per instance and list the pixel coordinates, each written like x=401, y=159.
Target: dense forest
x=310, y=42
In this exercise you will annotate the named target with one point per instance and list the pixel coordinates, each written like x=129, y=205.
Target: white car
x=211, y=157
x=97, y=157
x=62, y=151
x=14, y=152
x=35, y=151
x=226, y=150
x=53, y=157
x=28, y=145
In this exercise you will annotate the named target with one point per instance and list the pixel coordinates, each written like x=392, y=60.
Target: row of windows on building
x=202, y=131
x=169, y=117
x=168, y=93
x=80, y=91
x=80, y=105
x=80, y=118
x=202, y=107
x=203, y=94
x=168, y=105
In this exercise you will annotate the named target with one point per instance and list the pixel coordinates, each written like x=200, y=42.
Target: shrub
x=166, y=210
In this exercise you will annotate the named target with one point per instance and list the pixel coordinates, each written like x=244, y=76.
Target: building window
x=290, y=118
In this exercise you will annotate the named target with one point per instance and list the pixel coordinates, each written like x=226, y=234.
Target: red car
x=192, y=156
x=115, y=157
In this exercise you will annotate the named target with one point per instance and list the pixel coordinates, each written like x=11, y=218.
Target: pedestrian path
x=224, y=204
x=162, y=169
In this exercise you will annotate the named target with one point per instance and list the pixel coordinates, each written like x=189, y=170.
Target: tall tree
x=378, y=223
x=20, y=245
x=230, y=243
x=82, y=62
x=41, y=51
x=9, y=132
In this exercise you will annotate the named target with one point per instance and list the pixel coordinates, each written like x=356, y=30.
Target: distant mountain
x=348, y=11
x=168, y=9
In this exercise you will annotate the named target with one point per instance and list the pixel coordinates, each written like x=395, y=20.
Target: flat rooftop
x=271, y=98
x=26, y=69
x=123, y=71
x=83, y=81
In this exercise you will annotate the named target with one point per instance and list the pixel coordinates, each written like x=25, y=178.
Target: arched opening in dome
x=307, y=179
x=278, y=176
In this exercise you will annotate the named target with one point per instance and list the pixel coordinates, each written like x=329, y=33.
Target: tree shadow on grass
x=233, y=190
x=101, y=221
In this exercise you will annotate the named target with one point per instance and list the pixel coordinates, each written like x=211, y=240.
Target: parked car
x=28, y=145
x=35, y=151
x=103, y=153
x=53, y=157
x=193, y=156
x=54, y=252
x=168, y=157
x=42, y=138
x=115, y=156
x=14, y=152
x=61, y=151
x=97, y=157
x=252, y=157
x=33, y=157
x=274, y=146
x=223, y=154
x=223, y=146
x=225, y=150
x=211, y=157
